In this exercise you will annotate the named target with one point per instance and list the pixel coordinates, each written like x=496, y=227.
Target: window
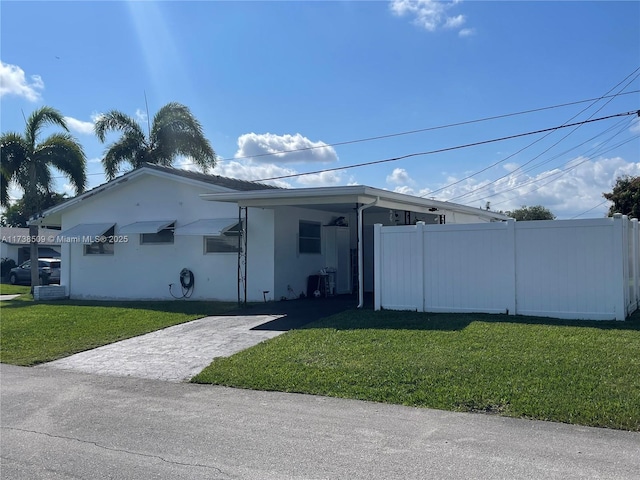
x=103, y=245
x=225, y=243
x=309, y=237
x=163, y=236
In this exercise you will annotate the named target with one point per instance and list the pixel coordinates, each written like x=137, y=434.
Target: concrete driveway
x=178, y=353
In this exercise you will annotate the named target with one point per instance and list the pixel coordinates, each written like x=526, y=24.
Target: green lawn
x=36, y=332
x=8, y=289
x=585, y=373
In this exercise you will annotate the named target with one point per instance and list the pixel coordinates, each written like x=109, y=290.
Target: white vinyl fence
x=573, y=269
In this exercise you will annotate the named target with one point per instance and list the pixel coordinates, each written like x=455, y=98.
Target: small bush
x=5, y=266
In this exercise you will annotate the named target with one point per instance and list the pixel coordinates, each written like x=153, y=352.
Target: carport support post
x=360, y=256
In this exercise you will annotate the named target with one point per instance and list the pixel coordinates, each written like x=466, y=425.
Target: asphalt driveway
x=179, y=352
x=64, y=425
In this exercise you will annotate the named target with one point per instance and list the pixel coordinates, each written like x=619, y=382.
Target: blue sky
x=272, y=76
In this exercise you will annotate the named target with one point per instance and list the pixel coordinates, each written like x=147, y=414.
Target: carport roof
x=344, y=200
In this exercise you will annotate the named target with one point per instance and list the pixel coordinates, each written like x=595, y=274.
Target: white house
x=15, y=241
x=132, y=237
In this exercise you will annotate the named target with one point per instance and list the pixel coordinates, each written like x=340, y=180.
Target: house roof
x=340, y=199
x=226, y=182
x=345, y=199
x=50, y=215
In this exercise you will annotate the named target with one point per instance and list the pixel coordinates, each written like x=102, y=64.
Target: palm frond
x=127, y=149
x=39, y=119
x=63, y=152
x=13, y=153
x=118, y=121
x=176, y=132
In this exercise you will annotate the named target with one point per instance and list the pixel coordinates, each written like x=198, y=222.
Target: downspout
x=360, y=255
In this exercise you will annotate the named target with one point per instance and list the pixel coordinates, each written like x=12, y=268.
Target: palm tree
x=173, y=132
x=27, y=163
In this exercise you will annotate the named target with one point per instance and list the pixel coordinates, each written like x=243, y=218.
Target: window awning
x=210, y=227
x=150, y=226
x=85, y=232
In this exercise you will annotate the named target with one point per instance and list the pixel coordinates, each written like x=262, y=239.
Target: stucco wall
x=138, y=271
x=291, y=267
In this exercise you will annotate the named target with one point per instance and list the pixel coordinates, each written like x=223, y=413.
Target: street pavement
x=59, y=424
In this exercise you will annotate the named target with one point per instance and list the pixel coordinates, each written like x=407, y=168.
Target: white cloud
x=467, y=32
x=262, y=156
x=399, y=176
x=14, y=82
x=635, y=126
x=79, y=126
x=428, y=14
x=141, y=115
x=251, y=172
x=567, y=191
x=320, y=179
x=454, y=22
x=268, y=148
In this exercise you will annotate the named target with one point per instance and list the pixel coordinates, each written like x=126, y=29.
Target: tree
x=27, y=162
x=173, y=132
x=625, y=196
x=18, y=214
x=531, y=213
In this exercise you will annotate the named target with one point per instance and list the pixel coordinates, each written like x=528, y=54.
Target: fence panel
x=576, y=269
x=398, y=268
x=565, y=269
x=467, y=268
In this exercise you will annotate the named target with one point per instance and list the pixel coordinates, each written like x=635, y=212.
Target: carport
x=360, y=205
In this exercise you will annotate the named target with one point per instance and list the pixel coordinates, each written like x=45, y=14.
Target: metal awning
x=149, y=226
x=84, y=232
x=210, y=227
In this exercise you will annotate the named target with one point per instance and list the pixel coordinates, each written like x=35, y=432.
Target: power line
x=592, y=208
x=539, y=139
x=409, y=132
x=553, y=174
x=448, y=149
x=595, y=151
x=439, y=127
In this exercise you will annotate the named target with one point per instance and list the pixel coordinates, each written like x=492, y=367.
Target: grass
x=37, y=332
x=8, y=289
x=585, y=373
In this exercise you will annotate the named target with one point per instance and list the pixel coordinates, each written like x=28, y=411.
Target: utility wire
x=539, y=139
x=589, y=152
x=439, y=127
x=557, y=174
x=410, y=132
x=592, y=208
x=448, y=149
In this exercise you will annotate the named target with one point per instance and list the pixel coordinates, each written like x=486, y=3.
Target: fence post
x=377, y=267
x=510, y=256
x=420, y=261
x=635, y=262
x=618, y=258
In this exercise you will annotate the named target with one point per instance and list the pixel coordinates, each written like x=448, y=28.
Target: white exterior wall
x=291, y=267
x=138, y=272
x=574, y=269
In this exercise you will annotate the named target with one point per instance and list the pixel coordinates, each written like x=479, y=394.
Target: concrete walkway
x=8, y=297
x=175, y=353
